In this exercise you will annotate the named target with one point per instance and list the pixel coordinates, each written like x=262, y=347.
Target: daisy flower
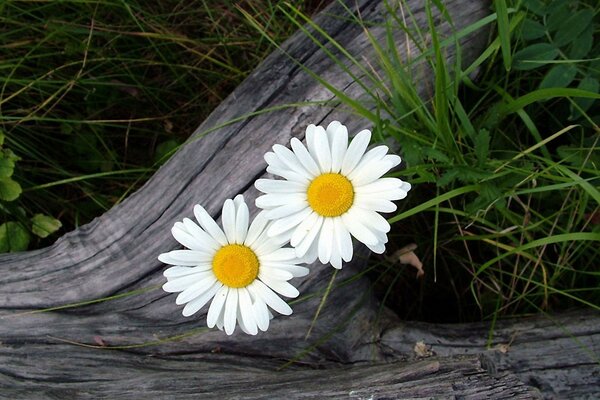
x=331, y=191
x=240, y=268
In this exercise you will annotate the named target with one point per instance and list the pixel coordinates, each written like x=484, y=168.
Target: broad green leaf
x=573, y=26
x=7, y=167
x=9, y=189
x=44, y=225
x=13, y=237
x=535, y=6
x=534, y=56
x=589, y=84
x=482, y=146
x=559, y=76
x=581, y=46
x=532, y=29
x=558, y=13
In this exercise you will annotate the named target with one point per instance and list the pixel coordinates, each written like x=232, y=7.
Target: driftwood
x=123, y=348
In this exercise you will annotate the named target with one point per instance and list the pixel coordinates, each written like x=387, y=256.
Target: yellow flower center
x=330, y=195
x=235, y=265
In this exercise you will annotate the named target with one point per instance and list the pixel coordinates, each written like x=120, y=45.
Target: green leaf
x=532, y=29
x=536, y=7
x=559, y=76
x=582, y=45
x=44, y=225
x=573, y=26
x=543, y=94
x=482, y=146
x=435, y=154
x=13, y=237
x=504, y=32
x=7, y=167
x=9, y=189
x=534, y=56
x=558, y=13
x=589, y=84
x=1, y=137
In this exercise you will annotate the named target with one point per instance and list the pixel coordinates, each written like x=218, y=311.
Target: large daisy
x=240, y=268
x=331, y=191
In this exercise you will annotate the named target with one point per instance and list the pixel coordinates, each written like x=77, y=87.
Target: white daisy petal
x=370, y=157
x=256, y=228
x=194, y=290
x=246, y=315
x=209, y=225
x=279, y=186
x=323, y=150
x=326, y=241
x=186, y=239
x=207, y=241
x=310, y=141
x=393, y=160
x=289, y=222
x=268, y=201
x=303, y=228
x=228, y=220
x=338, y=135
x=177, y=271
x=284, y=254
x=275, y=273
x=312, y=253
x=380, y=185
x=270, y=298
x=406, y=186
x=370, y=172
x=231, y=308
x=375, y=204
x=288, y=157
x=295, y=270
x=370, y=218
x=396, y=194
x=295, y=176
x=242, y=219
x=185, y=257
x=181, y=283
x=355, y=151
x=196, y=304
x=378, y=248
x=238, y=201
x=358, y=230
x=261, y=313
x=335, y=259
x=216, y=306
x=343, y=239
x=304, y=157
x=284, y=211
x=279, y=286
x=303, y=246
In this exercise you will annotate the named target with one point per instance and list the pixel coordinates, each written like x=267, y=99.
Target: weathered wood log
x=121, y=348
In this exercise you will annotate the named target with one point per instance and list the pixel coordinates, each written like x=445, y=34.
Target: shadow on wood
x=124, y=348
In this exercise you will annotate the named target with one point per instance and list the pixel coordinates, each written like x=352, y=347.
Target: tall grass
x=94, y=93
x=505, y=167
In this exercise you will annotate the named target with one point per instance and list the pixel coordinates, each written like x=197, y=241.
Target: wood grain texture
x=116, y=253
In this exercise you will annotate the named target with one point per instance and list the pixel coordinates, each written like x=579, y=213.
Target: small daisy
x=331, y=191
x=240, y=269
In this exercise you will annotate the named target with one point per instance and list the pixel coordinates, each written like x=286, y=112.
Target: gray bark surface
x=126, y=347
